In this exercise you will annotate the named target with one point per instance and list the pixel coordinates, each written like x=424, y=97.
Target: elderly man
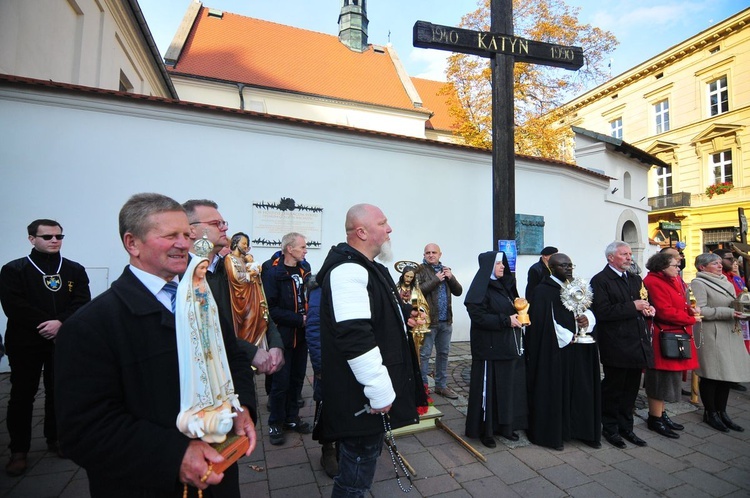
x=438, y=283
x=118, y=375
x=621, y=308
x=38, y=293
x=563, y=377
x=284, y=284
x=369, y=363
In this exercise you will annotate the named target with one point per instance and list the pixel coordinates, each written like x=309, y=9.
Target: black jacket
x=283, y=306
x=621, y=330
x=342, y=341
x=27, y=302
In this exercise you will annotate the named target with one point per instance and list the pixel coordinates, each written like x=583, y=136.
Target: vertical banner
x=509, y=248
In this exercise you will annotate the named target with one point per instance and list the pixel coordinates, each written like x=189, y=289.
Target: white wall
x=77, y=158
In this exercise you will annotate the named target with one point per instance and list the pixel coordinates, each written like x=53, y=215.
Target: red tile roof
x=432, y=99
x=266, y=54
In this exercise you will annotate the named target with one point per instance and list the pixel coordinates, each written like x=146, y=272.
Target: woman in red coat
x=668, y=294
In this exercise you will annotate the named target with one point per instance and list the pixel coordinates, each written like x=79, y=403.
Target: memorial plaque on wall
x=529, y=234
x=273, y=220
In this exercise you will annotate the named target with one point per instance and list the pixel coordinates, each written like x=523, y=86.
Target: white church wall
x=77, y=158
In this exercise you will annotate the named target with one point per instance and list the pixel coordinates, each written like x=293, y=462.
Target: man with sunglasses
x=37, y=292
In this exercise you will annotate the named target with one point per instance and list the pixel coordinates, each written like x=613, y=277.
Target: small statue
x=522, y=306
x=207, y=398
x=408, y=289
x=249, y=306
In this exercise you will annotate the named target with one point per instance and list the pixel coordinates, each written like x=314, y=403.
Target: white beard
x=386, y=253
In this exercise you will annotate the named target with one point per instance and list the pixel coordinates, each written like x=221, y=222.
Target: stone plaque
x=529, y=234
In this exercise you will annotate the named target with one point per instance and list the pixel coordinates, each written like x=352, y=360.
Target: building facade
x=690, y=107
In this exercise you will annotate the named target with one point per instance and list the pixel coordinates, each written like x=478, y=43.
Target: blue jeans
x=440, y=335
x=358, y=457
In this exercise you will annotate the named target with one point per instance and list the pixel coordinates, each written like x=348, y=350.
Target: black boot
x=657, y=425
x=728, y=422
x=671, y=423
x=713, y=419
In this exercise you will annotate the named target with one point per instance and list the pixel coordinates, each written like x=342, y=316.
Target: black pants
x=26, y=364
x=714, y=394
x=619, y=390
x=286, y=385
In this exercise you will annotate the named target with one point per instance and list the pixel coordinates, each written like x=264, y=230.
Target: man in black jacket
x=38, y=293
x=621, y=308
x=369, y=363
x=284, y=284
x=117, y=374
x=538, y=271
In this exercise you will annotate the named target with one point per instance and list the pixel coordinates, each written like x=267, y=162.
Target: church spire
x=353, y=24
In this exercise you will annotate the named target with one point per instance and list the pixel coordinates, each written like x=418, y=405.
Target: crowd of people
x=146, y=385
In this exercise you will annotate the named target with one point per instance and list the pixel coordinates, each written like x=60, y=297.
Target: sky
x=644, y=28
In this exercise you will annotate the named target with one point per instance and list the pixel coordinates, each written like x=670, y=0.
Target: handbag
x=675, y=344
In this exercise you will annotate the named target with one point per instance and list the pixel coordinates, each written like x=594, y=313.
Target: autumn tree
x=539, y=91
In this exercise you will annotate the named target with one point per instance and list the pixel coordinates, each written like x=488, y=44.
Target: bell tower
x=353, y=24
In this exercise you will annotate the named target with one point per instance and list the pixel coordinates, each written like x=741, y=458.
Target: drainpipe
x=240, y=87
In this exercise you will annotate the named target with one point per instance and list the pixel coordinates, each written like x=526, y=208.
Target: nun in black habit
x=497, y=392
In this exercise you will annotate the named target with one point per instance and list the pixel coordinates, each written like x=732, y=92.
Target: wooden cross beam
x=483, y=43
x=503, y=49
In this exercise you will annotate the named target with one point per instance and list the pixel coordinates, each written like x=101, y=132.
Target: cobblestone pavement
x=702, y=463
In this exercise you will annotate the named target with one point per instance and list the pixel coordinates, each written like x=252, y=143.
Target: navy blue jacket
x=283, y=305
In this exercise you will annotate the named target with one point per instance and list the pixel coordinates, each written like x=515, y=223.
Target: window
x=663, y=180
x=661, y=111
x=718, y=96
x=616, y=128
x=721, y=167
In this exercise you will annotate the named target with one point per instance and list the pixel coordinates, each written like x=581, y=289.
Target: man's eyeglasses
x=213, y=223
x=729, y=258
x=566, y=265
x=49, y=237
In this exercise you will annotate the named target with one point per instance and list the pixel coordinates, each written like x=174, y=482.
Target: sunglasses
x=49, y=237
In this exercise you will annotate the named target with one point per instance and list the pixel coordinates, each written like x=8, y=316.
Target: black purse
x=675, y=344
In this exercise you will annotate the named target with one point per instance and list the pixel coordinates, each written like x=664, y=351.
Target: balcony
x=669, y=201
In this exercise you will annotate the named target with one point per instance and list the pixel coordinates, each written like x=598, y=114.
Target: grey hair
x=289, y=239
x=135, y=215
x=705, y=259
x=189, y=207
x=613, y=247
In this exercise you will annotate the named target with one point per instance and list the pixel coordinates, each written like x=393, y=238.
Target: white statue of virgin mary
x=206, y=389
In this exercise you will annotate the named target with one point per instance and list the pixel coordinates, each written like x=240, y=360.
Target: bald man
x=366, y=350
x=437, y=283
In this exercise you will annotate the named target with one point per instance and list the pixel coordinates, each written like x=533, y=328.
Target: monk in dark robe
x=563, y=377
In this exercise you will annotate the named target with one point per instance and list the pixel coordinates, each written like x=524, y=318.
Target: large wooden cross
x=503, y=49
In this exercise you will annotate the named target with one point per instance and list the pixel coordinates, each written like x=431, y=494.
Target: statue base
x=426, y=422
x=232, y=449
x=584, y=339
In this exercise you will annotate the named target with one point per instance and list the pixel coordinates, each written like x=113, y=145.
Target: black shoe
x=630, y=436
x=685, y=392
x=657, y=425
x=671, y=423
x=728, y=422
x=276, y=435
x=615, y=440
x=738, y=387
x=298, y=426
x=713, y=419
x=513, y=436
x=592, y=444
x=488, y=441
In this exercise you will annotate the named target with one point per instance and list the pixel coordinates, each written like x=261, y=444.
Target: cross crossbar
x=485, y=44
